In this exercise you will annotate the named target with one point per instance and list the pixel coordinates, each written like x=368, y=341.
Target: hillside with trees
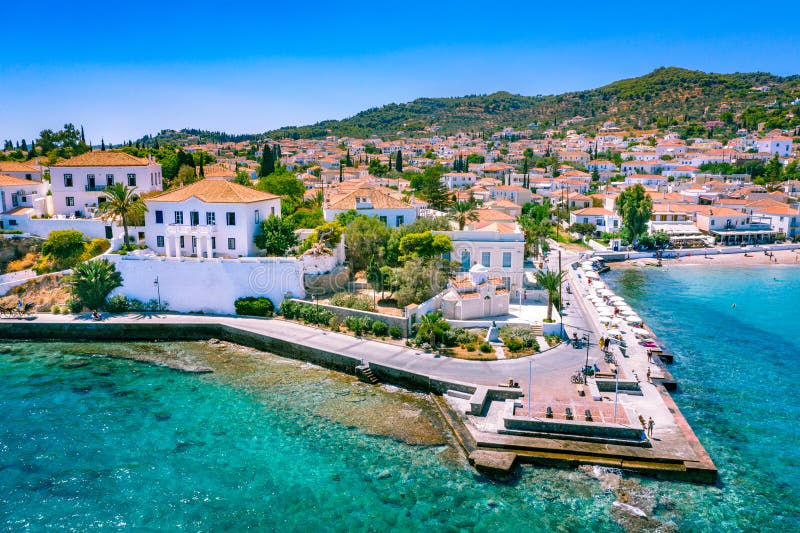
x=665, y=97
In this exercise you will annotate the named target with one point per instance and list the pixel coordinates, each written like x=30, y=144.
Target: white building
x=373, y=202
x=778, y=144
x=20, y=197
x=455, y=180
x=24, y=171
x=78, y=183
x=497, y=246
x=605, y=220
x=209, y=218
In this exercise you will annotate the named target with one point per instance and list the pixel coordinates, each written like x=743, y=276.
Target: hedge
x=254, y=306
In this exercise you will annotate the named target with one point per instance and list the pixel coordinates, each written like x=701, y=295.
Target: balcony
x=95, y=188
x=188, y=229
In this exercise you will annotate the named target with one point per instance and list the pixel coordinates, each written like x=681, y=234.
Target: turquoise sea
x=274, y=445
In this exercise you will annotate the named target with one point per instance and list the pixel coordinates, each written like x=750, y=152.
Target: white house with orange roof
x=512, y=193
x=729, y=226
x=455, y=180
x=783, y=218
x=20, y=197
x=373, y=202
x=21, y=170
x=498, y=246
x=78, y=183
x=209, y=218
x=475, y=294
x=604, y=220
x=647, y=180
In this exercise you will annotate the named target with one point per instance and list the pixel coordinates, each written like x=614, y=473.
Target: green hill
x=666, y=96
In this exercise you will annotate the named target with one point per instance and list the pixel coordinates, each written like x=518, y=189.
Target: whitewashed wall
x=212, y=285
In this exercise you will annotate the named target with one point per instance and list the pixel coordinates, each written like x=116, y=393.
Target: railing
x=91, y=188
x=187, y=229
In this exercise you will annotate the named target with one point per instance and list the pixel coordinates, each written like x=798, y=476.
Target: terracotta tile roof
x=217, y=170
x=103, y=159
x=19, y=211
x=378, y=198
x=726, y=212
x=215, y=192
x=16, y=166
x=590, y=211
x=11, y=181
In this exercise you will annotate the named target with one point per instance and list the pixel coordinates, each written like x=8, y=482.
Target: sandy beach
x=779, y=257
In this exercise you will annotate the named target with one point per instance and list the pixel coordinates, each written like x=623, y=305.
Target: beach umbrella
x=606, y=293
x=633, y=319
x=605, y=319
x=592, y=275
x=613, y=331
x=627, y=312
x=617, y=299
x=641, y=332
x=605, y=312
x=618, y=321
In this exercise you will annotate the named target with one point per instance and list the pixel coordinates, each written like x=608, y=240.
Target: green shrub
x=471, y=347
x=379, y=329
x=290, y=309
x=56, y=310
x=118, y=303
x=486, y=347
x=395, y=332
x=254, y=306
x=74, y=305
x=352, y=301
x=334, y=323
x=514, y=344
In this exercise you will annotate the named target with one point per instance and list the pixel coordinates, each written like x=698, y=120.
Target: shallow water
x=274, y=444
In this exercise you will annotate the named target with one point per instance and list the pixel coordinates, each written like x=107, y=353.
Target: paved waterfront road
x=557, y=361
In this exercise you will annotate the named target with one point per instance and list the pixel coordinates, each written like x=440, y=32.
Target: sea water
x=123, y=444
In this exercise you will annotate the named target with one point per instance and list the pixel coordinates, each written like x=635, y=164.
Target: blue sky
x=123, y=71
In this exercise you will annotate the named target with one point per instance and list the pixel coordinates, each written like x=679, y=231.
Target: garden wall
x=342, y=312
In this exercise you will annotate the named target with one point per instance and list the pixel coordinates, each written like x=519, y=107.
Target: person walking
x=650, y=425
x=648, y=375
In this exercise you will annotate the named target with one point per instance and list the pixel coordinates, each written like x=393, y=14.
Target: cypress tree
x=83, y=137
x=24, y=145
x=399, y=164
x=102, y=145
x=267, y=162
x=202, y=172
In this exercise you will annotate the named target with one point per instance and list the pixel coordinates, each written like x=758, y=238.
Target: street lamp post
x=158, y=292
x=530, y=384
x=616, y=392
x=586, y=338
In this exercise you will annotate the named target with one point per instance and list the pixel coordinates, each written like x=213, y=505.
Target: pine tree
x=102, y=145
x=83, y=137
x=267, y=162
x=399, y=164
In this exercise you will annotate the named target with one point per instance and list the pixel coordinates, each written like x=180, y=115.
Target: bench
x=579, y=388
x=569, y=414
x=588, y=414
x=549, y=412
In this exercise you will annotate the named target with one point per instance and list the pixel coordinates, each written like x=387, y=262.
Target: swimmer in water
x=734, y=306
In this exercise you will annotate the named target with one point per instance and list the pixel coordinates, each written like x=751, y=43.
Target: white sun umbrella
x=592, y=274
x=613, y=331
x=606, y=292
x=587, y=265
x=627, y=312
x=633, y=319
x=641, y=332
x=617, y=299
x=618, y=321
x=605, y=320
x=605, y=312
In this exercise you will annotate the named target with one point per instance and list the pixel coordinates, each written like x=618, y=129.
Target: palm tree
x=463, y=212
x=121, y=202
x=93, y=281
x=551, y=282
x=432, y=326
x=535, y=232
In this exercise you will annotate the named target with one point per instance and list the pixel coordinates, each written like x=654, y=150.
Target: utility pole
x=560, y=301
